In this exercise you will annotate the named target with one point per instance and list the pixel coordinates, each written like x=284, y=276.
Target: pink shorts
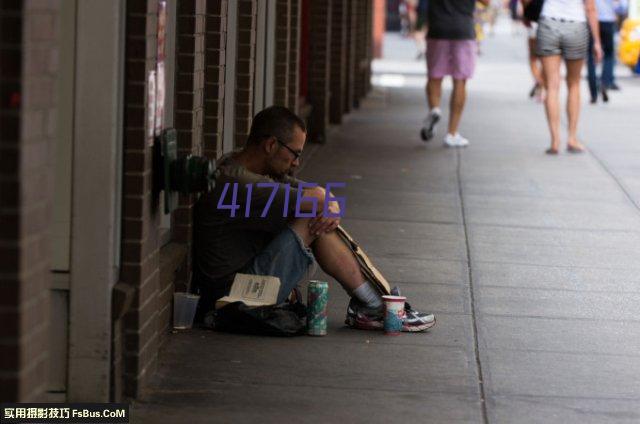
x=451, y=57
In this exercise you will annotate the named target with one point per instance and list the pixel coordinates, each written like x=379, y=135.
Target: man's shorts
x=451, y=57
x=559, y=37
x=285, y=257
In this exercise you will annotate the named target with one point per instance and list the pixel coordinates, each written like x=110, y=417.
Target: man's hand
x=321, y=225
x=597, y=52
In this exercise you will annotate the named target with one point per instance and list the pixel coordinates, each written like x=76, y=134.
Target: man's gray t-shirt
x=451, y=19
x=222, y=244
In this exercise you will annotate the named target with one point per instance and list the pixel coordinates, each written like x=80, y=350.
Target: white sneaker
x=429, y=125
x=455, y=140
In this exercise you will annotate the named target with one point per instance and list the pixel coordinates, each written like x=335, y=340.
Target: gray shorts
x=570, y=39
x=285, y=257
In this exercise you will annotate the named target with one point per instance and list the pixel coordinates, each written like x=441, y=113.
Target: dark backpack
x=286, y=319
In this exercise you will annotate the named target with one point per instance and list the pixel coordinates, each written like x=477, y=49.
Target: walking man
x=451, y=50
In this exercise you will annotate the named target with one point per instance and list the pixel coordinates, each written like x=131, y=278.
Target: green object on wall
x=186, y=174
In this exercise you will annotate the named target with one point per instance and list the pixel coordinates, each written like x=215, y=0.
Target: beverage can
x=317, y=297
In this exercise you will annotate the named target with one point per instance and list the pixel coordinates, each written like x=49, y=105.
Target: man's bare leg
x=456, y=105
x=333, y=256
x=434, y=92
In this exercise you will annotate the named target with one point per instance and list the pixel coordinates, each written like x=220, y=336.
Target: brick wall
x=189, y=119
x=368, y=36
x=245, y=69
x=362, y=34
x=140, y=249
x=318, y=73
x=294, y=56
x=215, y=43
x=283, y=35
x=338, y=61
x=28, y=64
x=350, y=62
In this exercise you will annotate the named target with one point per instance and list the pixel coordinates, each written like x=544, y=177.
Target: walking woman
x=563, y=33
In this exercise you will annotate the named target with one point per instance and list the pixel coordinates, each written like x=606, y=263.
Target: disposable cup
x=184, y=309
x=393, y=314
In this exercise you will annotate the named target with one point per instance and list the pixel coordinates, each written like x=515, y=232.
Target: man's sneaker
x=414, y=321
x=455, y=140
x=429, y=126
x=364, y=318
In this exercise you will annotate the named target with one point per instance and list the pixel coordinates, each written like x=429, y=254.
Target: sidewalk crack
x=476, y=348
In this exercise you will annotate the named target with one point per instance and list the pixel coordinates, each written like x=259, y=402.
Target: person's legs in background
x=438, y=65
x=591, y=72
x=574, y=68
x=464, y=62
x=434, y=93
x=456, y=104
x=536, y=70
x=551, y=70
x=607, y=33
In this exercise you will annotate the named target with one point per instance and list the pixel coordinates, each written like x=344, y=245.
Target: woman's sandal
x=575, y=149
x=551, y=151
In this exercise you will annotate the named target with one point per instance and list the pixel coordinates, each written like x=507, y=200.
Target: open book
x=252, y=290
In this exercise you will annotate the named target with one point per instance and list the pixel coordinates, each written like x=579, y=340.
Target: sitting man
x=232, y=237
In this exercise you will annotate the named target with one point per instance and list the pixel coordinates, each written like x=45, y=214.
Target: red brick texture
x=379, y=17
x=28, y=66
x=215, y=51
x=368, y=37
x=189, y=119
x=350, y=53
x=283, y=34
x=338, y=61
x=245, y=69
x=318, y=72
x=294, y=56
x=140, y=214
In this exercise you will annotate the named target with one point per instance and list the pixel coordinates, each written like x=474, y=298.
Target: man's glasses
x=295, y=154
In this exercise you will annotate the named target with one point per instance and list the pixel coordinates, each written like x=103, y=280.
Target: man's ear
x=269, y=145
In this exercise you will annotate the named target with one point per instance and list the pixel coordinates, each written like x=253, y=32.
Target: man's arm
x=592, y=17
x=320, y=224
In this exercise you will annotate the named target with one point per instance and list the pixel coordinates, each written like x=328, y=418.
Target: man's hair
x=274, y=121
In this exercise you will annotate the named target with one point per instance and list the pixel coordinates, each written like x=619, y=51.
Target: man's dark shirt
x=451, y=19
x=224, y=245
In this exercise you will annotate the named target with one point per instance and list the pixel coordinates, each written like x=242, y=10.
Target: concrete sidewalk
x=530, y=262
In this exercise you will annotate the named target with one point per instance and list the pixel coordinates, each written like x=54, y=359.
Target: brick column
x=361, y=54
x=190, y=75
x=379, y=17
x=319, y=61
x=27, y=136
x=338, y=60
x=189, y=114
x=215, y=43
x=350, y=62
x=140, y=260
x=294, y=56
x=368, y=36
x=245, y=69
x=283, y=35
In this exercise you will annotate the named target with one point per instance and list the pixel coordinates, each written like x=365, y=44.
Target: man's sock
x=366, y=294
x=435, y=111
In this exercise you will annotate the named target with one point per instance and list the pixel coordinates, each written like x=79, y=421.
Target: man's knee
x=301, y=227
